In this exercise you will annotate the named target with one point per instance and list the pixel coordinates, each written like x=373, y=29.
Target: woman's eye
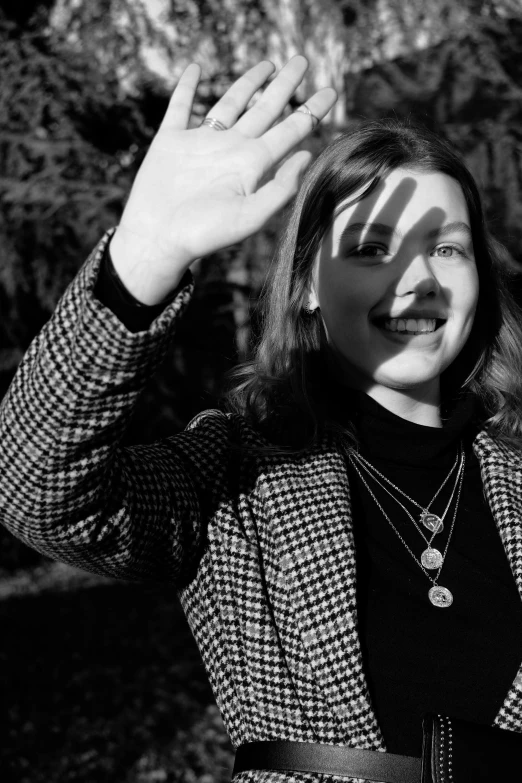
x=448, y=251
x=368, y=251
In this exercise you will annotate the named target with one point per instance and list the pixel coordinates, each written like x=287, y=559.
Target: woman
x=339, y=565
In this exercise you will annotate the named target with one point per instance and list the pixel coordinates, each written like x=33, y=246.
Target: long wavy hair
x=282, y=390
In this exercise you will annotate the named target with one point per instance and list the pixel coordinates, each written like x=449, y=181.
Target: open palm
x=200, y=190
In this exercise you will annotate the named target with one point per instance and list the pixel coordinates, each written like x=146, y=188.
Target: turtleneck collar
x=388, y=438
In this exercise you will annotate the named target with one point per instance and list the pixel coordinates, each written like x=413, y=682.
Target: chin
x=407, y=381
x=405, y=376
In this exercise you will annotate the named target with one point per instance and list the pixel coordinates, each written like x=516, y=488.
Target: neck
x=421, y=406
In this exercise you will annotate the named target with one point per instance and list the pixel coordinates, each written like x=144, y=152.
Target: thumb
x=276, y=193
x=290, y=174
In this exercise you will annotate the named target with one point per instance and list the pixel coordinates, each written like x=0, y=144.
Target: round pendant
x=432, y=522
x=440, y=596
x=431, y=558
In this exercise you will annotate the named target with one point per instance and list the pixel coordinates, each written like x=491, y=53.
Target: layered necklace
x=431, y=558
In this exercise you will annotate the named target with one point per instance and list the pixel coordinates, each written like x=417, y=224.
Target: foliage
x=105, y=683
x=201, y=754
x=468, y=88
x=145, y=43
x=64, y=172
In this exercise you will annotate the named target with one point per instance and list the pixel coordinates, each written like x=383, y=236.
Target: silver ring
x=211, y=122
x=303, y=109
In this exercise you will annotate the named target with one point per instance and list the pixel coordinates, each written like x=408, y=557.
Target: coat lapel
x=307, y=512
x=501, y=469
x=307, y=500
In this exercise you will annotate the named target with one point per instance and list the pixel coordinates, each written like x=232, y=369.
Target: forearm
x=66, y=488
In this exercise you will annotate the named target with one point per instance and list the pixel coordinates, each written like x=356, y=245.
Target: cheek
x=469, y=294
x=344, y=296
x=461, y=288
x=344, y=317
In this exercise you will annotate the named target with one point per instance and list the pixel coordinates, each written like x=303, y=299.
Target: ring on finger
x=303, y=109
x=211, y=122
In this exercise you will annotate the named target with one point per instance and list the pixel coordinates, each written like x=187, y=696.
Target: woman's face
x=396, y=282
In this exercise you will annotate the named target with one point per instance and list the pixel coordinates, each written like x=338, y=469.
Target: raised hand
x=201, y=190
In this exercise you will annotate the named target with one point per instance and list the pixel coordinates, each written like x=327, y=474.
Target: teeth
x=410, y=325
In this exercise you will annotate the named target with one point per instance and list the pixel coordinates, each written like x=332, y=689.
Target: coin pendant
x=431, y=558
x=440, y=596
x=432, y=522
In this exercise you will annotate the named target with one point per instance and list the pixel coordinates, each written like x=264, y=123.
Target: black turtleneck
x=460, y=660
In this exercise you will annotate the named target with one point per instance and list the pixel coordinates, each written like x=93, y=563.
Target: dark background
x=101, y=680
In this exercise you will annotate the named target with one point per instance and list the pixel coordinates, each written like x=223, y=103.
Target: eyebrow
x=383, y=230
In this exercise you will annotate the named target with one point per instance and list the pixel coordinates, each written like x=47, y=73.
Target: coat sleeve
x=67, y=487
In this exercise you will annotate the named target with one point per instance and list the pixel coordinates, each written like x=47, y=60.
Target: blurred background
x=101, y=681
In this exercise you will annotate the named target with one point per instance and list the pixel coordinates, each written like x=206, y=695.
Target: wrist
x=143, y=277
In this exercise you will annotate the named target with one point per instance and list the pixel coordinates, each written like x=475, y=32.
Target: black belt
x=328, y=759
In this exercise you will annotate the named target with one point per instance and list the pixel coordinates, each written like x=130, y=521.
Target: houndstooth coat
x=260, y=547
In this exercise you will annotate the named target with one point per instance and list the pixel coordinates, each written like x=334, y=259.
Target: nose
x=417, y=277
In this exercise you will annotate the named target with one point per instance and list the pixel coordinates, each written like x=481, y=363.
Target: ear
x=312, y=302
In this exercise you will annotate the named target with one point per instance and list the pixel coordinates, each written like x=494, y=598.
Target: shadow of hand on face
x=411, y=280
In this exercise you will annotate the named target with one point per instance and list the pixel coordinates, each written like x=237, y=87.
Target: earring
x=309, y=310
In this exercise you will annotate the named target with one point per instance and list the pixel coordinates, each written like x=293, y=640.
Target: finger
x=179, y=109
x=235, y=100
x=282, y=138
x=276, y=193
x=274, y=100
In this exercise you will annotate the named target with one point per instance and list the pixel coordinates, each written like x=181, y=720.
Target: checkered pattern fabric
x=260, y=547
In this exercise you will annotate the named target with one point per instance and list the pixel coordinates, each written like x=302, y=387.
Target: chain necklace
x=438, y=595
x=432, y=522
x=431, y=557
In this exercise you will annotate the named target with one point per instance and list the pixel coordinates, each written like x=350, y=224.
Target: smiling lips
x=411, y=325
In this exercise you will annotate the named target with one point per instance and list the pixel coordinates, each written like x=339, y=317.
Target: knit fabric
x=260, y=547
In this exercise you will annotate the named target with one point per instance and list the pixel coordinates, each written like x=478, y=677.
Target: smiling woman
x=398, y=301
x=346, y=537
x=407, y=289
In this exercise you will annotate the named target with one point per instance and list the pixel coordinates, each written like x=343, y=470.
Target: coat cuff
x=133, y=314
x=95, y=339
